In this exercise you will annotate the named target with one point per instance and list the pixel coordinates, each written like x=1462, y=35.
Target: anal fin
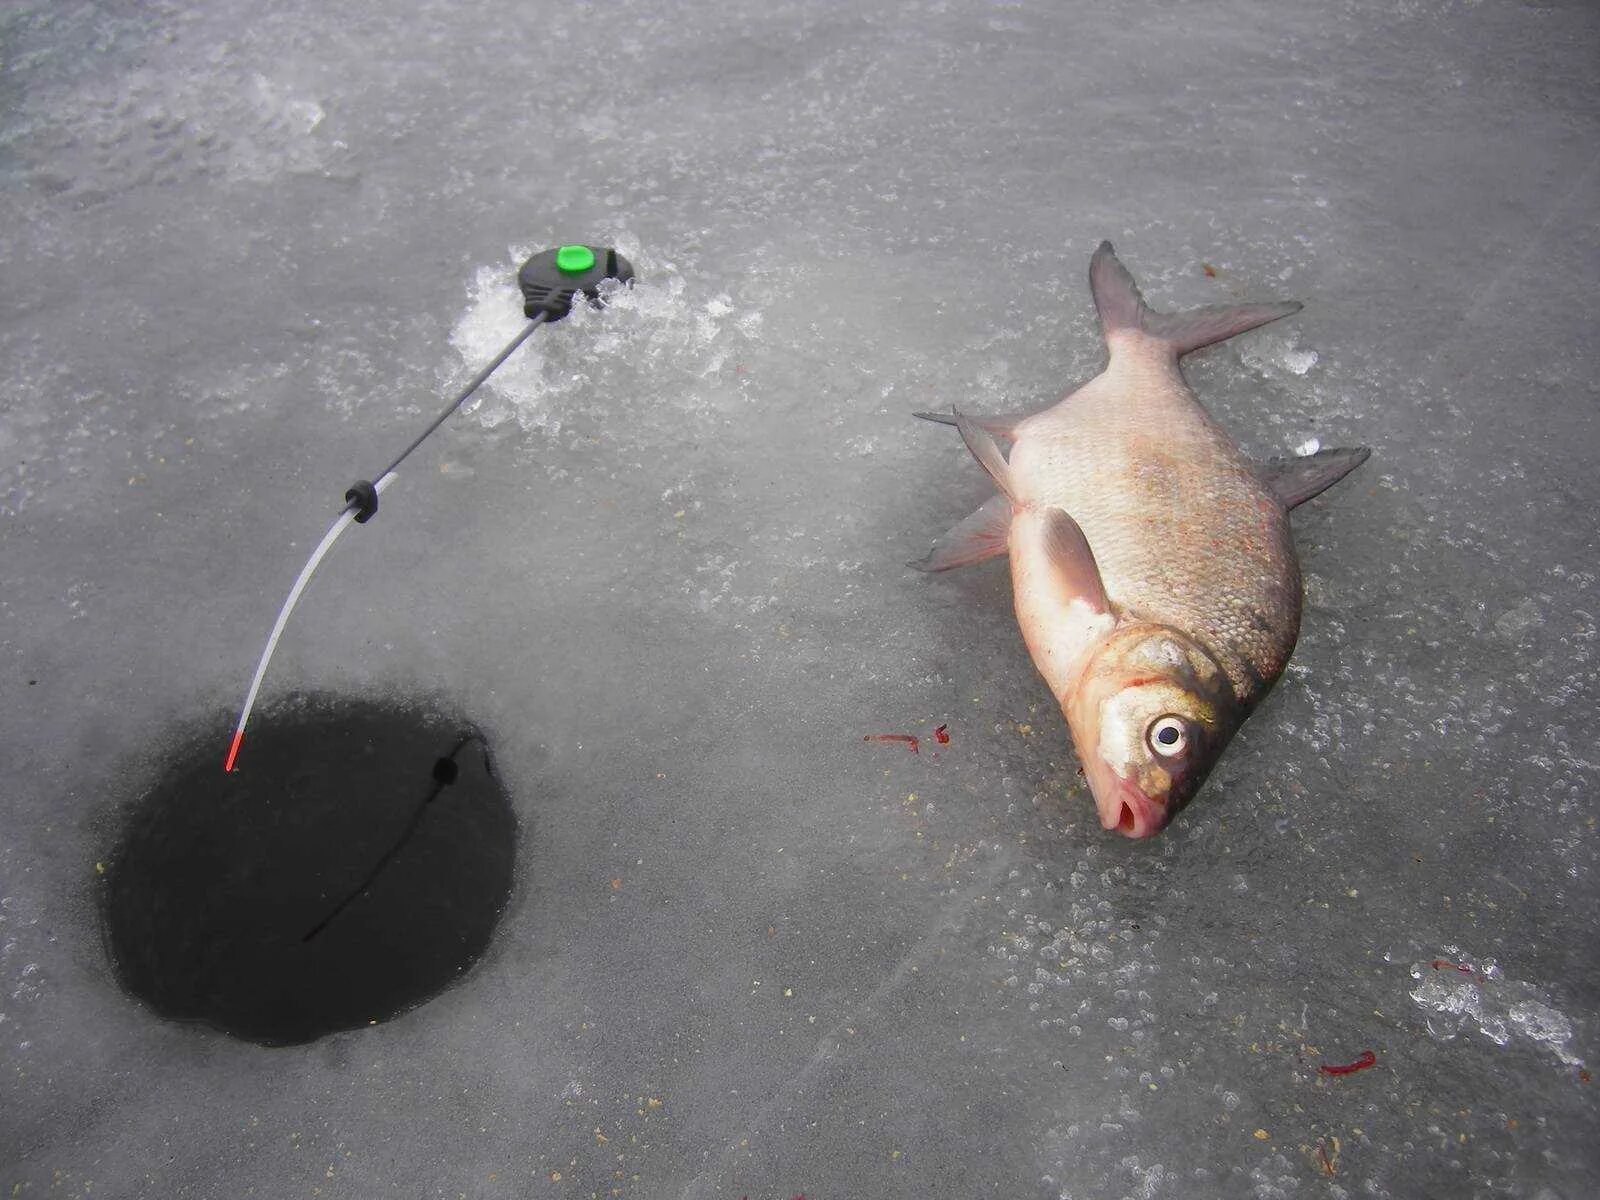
x=1296, y=480
x=979, y=537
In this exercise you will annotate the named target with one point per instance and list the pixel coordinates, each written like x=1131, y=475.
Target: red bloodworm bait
x=907, y=738
x=942, y=735
x=1439, y=964
x=1367, y=1059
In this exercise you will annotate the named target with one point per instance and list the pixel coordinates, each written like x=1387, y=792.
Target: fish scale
x=1183, y=531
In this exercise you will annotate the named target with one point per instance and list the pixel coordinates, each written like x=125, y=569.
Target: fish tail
x=1122, y=309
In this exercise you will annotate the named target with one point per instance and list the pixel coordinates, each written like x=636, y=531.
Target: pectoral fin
x=1071, y=561
x=1061, y=602
x=981, y=536
x=1296, y=480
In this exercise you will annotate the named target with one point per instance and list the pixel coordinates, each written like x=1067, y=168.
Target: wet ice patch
x=1459, y=994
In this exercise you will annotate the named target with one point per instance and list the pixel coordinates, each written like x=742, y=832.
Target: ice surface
x=249, y=249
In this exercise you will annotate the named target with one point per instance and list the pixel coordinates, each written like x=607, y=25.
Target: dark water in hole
x=353, y=866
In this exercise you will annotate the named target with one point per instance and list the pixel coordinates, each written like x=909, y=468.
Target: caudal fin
x=1122, y=308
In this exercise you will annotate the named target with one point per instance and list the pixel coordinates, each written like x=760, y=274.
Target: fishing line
x=444, y=774
x=461, y=398
x=550, y=281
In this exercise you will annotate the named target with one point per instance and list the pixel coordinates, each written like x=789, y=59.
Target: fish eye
x=1168, y=736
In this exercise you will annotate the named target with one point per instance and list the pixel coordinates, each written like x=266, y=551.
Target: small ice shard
x=1299, y=361
x=1275, y=352
x=1541, y=1023
x=1308, y=447
x=306, y=115
x=1515, y=622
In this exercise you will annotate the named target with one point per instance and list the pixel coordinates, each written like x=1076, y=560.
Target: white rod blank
x=340, y=524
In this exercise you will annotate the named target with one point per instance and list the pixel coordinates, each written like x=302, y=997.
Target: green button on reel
x=574, y=260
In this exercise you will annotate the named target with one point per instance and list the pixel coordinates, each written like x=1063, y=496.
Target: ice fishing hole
x=354, y=866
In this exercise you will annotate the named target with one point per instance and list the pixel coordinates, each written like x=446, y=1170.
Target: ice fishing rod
x=550, y=281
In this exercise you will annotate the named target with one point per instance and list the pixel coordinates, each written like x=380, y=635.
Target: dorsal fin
x=1002, y=425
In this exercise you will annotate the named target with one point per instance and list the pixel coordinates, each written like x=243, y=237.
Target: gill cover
x=1150, y=715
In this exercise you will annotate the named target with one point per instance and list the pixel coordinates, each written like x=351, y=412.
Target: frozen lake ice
x=660, y=562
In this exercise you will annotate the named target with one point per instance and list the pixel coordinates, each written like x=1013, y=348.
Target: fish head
x=1150, y=713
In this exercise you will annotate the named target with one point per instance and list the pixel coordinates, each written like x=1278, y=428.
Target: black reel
x=552, y=279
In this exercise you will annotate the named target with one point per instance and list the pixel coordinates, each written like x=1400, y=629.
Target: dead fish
x=1152, y=566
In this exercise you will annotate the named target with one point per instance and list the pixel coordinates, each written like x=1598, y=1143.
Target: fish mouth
x=1126, y=809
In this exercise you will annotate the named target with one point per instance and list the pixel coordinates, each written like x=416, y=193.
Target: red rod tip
x=233, y=751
